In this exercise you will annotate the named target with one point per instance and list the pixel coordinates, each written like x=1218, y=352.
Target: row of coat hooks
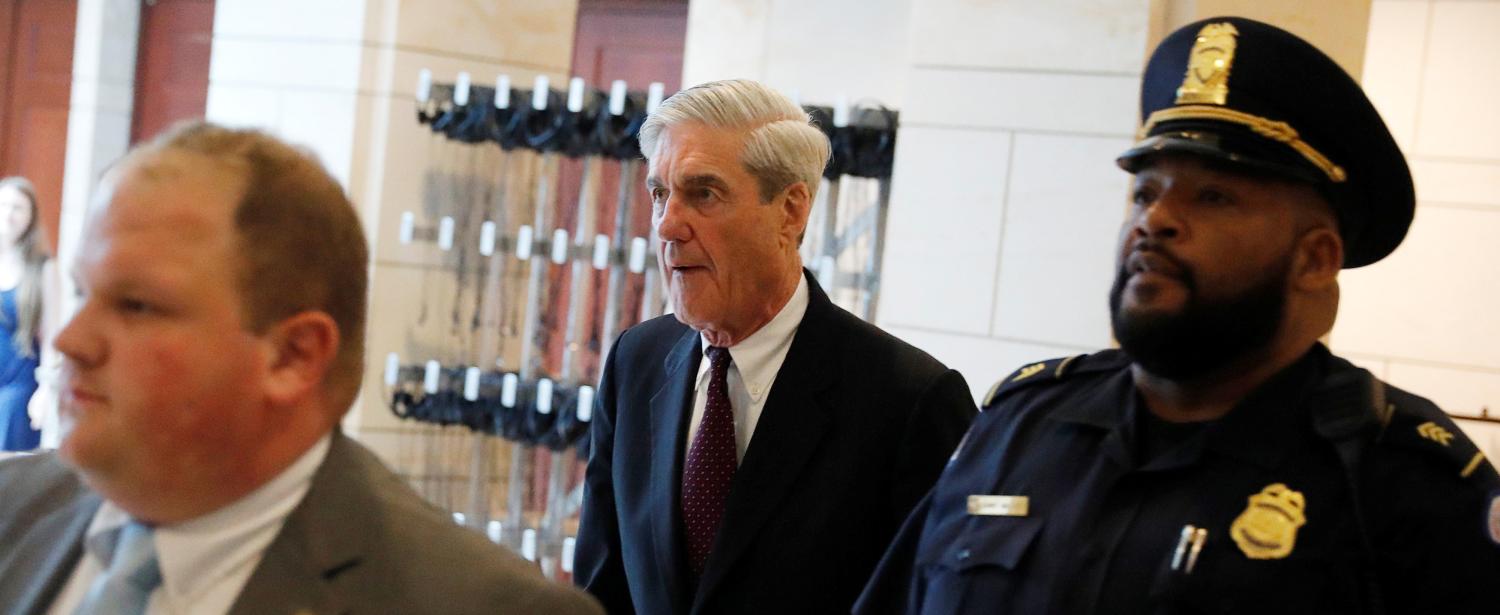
x=589, y=122
x=542, y=412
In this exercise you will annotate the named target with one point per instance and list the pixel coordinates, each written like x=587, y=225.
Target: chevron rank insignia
x=1436, y=433
x=1419, y=425
x=1045, y=371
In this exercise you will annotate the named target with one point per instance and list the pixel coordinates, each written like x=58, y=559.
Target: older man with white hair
x=768, y=477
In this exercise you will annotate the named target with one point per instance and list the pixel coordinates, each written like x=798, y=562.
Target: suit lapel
x=54, y=544
x=321, y=540
x=670, y=409
x=791, y=428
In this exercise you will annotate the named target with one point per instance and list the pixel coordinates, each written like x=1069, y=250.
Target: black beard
x=1204, y=336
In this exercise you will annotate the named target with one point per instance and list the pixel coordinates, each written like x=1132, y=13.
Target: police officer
x=1222, y=460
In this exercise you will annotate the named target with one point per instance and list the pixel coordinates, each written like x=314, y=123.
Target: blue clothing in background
x=17, y=383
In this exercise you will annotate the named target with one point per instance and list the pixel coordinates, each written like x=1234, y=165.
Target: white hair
x=781, y=145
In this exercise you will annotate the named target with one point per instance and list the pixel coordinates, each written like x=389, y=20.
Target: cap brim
x=1215, y=146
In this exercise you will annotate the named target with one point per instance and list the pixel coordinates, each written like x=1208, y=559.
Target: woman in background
x=21, y=261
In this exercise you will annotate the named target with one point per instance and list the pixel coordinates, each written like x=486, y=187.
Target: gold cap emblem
x=1268, y=527
x=1207, y=79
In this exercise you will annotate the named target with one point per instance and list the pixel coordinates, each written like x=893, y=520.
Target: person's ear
x=302, y=351
x=796, y=204
x=1319, y=256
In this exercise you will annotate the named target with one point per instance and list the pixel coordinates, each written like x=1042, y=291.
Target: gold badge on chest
x=1268, y=527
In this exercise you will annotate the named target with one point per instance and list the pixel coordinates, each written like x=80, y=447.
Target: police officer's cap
x=1258, y=97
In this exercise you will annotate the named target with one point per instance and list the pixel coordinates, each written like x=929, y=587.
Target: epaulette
x=1351, y=405
x=1418, y=424
x=1050, y=370
x=1351, y=402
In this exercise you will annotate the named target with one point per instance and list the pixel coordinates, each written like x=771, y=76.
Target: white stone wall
x=292, y=67
x=816, y=51
x=1006, y=202
x=1425, y=318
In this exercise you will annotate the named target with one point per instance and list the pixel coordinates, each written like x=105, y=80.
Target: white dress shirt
x=205, y=562
x=752, y=371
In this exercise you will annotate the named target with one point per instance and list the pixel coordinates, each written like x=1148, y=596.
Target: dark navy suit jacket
x=857, y=428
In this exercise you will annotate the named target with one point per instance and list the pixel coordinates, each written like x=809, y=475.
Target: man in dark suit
x=768, y=477
x=218, y=344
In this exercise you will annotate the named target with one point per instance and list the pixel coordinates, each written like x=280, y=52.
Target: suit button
x=963, y=554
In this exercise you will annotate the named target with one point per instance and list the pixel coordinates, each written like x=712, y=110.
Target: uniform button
x=963, y=555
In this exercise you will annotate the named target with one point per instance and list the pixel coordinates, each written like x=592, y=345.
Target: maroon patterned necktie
x=710, y=465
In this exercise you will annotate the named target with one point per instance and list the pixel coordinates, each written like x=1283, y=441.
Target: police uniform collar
x=1111, y=407
x=1265, y=423
x=1257, y=430
x=1101, y=406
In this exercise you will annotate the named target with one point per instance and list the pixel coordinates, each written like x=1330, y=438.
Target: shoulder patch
x=1492, y=517
x=1045, y=371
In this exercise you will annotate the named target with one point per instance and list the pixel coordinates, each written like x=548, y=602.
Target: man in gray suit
x=218, y=344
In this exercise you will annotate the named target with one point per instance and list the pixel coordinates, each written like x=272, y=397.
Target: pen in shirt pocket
x=1189, y=545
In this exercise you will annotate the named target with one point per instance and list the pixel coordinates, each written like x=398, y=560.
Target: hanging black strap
x=1350, y=410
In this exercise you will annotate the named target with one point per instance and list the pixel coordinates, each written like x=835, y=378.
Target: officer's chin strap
x=1349, y=409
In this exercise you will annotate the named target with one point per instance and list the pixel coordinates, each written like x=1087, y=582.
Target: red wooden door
x=171, y=78
x=36, y=37
x=639, y=41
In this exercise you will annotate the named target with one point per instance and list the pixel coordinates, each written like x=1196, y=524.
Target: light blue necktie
x=130, y=574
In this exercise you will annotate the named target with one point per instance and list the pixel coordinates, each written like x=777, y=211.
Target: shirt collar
x=754, y=356
x=1263, y=425
x=1258, y=429
x=1105, y=405
x=196, y=553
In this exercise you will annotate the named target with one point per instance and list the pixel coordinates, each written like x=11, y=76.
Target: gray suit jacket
x=360, y=542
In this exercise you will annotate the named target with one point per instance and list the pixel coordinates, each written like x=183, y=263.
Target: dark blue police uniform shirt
x=1104, y=522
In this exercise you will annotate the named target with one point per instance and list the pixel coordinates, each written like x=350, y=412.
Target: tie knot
x=718, y=357
x=134, y=556
x=130, y=574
